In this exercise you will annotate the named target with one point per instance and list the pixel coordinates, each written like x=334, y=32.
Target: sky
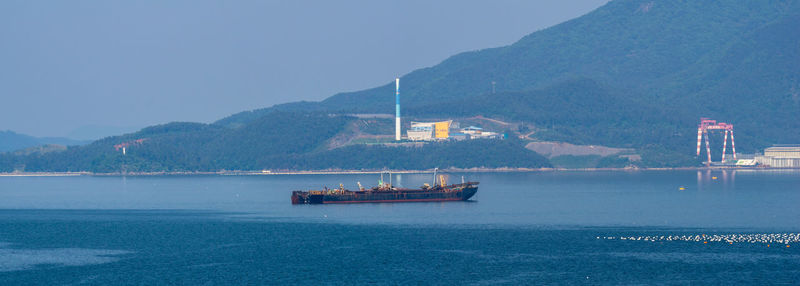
x=81, y=68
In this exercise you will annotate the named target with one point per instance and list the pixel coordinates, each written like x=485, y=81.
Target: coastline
x=360, y=172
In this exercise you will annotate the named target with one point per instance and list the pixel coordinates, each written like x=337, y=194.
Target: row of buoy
x=768, y=238
x=682, y=188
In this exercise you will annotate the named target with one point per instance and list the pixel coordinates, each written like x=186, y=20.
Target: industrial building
x=478, y=133
x=426, y=131
x=420, y=133
x=780, y=156
x=429, y=131
x=442, y=129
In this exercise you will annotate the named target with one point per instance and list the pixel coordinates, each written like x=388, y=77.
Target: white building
x=782, y=156
x=478, y=133
x=429, y=130
x=420, y=133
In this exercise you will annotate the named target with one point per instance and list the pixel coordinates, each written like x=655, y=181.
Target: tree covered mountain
x=634, y=73
x=670, y=61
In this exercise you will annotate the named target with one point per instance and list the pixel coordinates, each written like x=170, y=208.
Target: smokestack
x=397, y=109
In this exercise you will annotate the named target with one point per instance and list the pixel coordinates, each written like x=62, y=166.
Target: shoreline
x=362, y=172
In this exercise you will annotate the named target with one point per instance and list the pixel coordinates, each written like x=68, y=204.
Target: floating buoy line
x=766, y=238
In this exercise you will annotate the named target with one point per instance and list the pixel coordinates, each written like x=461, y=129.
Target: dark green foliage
x=753, y=83
x=575, y=162
x=590, y=161
x=193, y=146
x=278, y=135
x=660, y=157
x=613, y=161
x=244, y=117
x=7, y=162
x=280, y=140
x=461, y=154
x=377, y=126
x=580, y=111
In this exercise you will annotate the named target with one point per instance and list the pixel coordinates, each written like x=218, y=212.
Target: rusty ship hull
x=457, y=192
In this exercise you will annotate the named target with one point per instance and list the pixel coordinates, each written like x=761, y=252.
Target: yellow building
x=443, y=129
x=429, y=130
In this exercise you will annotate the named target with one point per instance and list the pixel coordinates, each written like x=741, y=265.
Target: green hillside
x=580, y=110
x=279, y=140
x=671, y=61
x=631, y=45
x=191, y=146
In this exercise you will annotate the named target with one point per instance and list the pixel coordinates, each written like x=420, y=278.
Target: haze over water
x=520, y=228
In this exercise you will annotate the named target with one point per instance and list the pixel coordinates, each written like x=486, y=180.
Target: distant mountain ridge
x=12, y=141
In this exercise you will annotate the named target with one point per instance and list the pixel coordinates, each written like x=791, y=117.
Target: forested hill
x=278, y=141
x=630, y=44
x=735, y=61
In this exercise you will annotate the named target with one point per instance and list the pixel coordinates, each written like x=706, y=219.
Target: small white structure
x=478, y=133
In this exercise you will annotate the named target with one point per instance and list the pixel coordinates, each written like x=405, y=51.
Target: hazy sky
x=67, y=64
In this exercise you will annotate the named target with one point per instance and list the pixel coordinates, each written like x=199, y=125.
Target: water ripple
x=15, y=259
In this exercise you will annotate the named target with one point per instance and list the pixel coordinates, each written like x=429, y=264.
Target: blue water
x=521, y=228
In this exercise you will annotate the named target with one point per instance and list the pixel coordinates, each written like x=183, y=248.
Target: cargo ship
x=386, y=193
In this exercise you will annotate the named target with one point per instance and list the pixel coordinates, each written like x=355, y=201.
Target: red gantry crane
x=702, y=131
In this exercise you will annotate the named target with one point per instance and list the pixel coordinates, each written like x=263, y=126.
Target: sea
x=671, y=227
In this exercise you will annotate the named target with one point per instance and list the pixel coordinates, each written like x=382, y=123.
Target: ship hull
x=460, y=193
